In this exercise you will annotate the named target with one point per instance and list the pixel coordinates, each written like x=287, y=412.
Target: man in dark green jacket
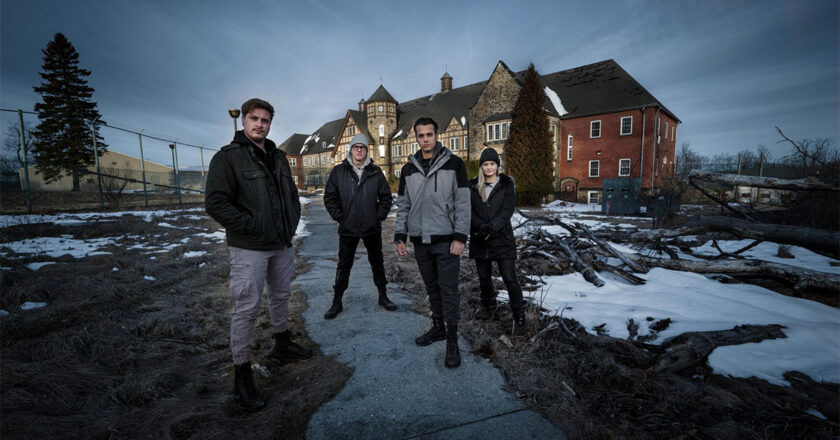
x=250, y=191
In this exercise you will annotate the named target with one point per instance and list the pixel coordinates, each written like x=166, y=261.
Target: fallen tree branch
x=690, y=348
x=805, y=184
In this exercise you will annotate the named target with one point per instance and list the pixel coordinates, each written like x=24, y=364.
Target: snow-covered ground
x=693, y=302
x=696, y=303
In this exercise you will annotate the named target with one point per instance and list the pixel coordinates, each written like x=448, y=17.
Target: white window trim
x=599, y=168
x=499, y=131
x=381, y=150
x=397, y=173
x=453, y=143
x=600, y=126
x=589, y=196
x=569, y=148
x=629, y=164
x=621, y=129
x=379, y=108
x=293, y=161
x=295, y=178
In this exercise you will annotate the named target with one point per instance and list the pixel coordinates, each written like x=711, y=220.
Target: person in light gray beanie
x=358, y=197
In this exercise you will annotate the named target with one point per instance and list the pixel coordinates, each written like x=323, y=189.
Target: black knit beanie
x=489, y=154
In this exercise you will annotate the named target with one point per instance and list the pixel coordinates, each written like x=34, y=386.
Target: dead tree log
x=612, y=251
x=799, y=277
x=691, y=348
x=805, y=184
x=585, y=270
x=818, y=240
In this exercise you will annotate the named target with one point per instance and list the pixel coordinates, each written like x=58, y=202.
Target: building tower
x=381, y=110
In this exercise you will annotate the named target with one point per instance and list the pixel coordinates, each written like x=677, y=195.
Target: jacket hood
x=357, y=139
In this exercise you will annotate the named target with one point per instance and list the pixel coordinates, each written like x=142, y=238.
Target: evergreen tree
x=529, y=157
x=64, y=144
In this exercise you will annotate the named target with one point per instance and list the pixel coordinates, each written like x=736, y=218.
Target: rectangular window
x=466, y=145
x=626, y=125
x=594, y=166
x=453, y=143
x=381, y=151
x=593, y=197
x=391, y=108
x=595, y=129
x=554, y=134
x=397, y=173
x=489, y=133
x=370, y=110
x=569, y=149
x=379, y=108
x=295, y=178
x=293, y=161
x=667, y=129
x=413, y=147
x=674, y=133
x=505, y=128
x=497, y=130
x=623, y=167
x=351, y=130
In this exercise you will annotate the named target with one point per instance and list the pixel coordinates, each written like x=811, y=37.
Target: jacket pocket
x=253, y=174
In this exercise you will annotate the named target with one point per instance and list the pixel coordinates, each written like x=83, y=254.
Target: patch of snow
x=115, y=269
x=816, y=414
x=149, y=278
x=463, y=121
x=696, y=303
x=36, y=266
x=217, y=236
x=193, y=254
x=202, y=264
x=32, y=305
x=555, y=100
x=3, y=312
x=57, y=246
x=397, y=135
x=767, y=251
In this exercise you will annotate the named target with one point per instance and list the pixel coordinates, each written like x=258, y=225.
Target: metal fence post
x=26, y=186
x=143, y=170
x=98, y=170
x=203, y=181
x=176, y=179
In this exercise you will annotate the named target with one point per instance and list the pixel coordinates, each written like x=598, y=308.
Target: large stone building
x=603, y=124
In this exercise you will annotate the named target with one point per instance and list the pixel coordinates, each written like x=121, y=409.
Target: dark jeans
x=347, y=252
x=440, y=271
x=507, y=267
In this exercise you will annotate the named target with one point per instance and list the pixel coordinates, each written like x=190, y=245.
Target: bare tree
x=11, y=158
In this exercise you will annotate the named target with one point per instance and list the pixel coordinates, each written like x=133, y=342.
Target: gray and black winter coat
x=433, y=205
x=491, y=235
x=252, y=195
x=358, y=204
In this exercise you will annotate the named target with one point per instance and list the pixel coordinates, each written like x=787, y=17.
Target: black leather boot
x=436, y=333
x=518, y=322
x=285, y=350
x=487, y=310
x=453, y=354
x=336, y=306
x=384, y=301
x=244, y=389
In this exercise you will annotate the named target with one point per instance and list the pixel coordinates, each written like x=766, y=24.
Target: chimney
x=445, y=83
x=362, y=105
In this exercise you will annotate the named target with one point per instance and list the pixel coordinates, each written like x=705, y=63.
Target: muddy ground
x=114, y=355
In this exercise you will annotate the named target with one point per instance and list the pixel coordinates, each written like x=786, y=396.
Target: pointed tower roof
x=381, y=95
x=446, y=75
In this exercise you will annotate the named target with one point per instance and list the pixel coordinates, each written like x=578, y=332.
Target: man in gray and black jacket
x=433, y=209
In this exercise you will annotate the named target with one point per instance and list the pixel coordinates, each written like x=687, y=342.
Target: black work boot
x=244, y=389
x=336, y=306
x=384, y=301
x=285, y=350
x=518, y=322
x=487, y=310
x=436, y=333
x=453, y=354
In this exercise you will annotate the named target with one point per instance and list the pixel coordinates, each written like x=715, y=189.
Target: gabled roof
x=440, y=107
x=602, y=87
x=323, y=139
x=381, y=95
x=293, y=144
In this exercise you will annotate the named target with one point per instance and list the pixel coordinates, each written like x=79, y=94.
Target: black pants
x=440, y=271
x=507, y=267
x=347, y=252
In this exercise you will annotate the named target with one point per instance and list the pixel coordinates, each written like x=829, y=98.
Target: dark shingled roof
x=381, y=95
x=602, y=87
x=293, y=144
x=440, y=107
x=328, y=133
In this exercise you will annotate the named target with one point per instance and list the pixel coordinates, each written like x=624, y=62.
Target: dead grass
x=115, y=356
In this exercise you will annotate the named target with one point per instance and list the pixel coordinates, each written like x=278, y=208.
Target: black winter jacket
x=491, y=235
x=242, y=195
x=359, y=206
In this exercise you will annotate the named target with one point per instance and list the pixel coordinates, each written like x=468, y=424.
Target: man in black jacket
x=357, y=196
x=251, y=193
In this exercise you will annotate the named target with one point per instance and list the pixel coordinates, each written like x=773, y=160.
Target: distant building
x=292, y=146
x=603, y=124
x=115, y=167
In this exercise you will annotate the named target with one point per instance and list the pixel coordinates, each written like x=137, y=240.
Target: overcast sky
x=730, y=70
